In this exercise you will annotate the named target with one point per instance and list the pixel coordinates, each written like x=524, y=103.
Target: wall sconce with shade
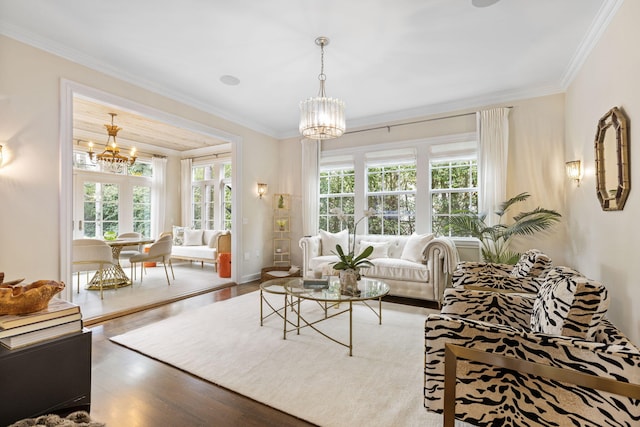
x=262, y=189
x=574, y=170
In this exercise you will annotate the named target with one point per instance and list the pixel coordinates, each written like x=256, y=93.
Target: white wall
x=30, y=105
x=536, y=141
x=603, y=244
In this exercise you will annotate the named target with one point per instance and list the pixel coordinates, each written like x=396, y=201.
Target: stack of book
x=58, y=319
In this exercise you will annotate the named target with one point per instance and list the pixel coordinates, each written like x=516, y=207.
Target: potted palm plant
x=495, y=239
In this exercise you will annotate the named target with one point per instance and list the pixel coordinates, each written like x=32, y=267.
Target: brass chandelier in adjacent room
x=110, y=158
x=322, y=117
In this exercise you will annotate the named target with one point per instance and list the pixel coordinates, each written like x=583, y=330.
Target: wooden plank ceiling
x=147, y=135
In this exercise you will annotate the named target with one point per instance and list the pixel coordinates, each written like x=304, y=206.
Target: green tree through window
x=336, y=191
x=454, y=191
x=391, y=192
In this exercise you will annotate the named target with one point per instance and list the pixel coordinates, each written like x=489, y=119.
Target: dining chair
x=128, y=251
x=91, y=255
x=160, y=251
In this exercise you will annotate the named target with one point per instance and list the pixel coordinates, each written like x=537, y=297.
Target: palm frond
x=534, y=222
x=512, y=201
x=537, y=211
x=467, y=225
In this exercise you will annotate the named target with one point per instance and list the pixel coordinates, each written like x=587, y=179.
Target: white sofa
x=200, y=245
x=421, y=272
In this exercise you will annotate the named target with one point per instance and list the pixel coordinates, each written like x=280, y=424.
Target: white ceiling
x=387, y=60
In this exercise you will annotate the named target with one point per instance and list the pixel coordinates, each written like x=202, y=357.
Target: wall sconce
x=574, y=171
x=1, y=156
x=262, y=189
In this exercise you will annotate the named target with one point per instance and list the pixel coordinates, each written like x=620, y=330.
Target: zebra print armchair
x=525, y=276
x=562, y=326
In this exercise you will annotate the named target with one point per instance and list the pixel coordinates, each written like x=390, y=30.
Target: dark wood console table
x=50, y=377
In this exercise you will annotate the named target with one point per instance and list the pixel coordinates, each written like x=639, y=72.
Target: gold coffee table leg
x=350, y=328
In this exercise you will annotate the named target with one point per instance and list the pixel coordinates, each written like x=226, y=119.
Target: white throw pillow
x=212, y=237
x=380, y=249
x=178, y=235
x=330, y=240
x=414, y=247
x=192, y=238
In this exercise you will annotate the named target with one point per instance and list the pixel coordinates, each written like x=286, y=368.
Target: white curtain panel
x=158, y=195
x=493, y=137
x=310, y=186
x=185, y=192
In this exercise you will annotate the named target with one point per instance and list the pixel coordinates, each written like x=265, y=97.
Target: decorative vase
x=349, y=281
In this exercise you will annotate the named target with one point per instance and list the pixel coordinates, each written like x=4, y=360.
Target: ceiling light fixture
x=322, y=117
x=484, y=3
x=230, y=80
x=110, y=158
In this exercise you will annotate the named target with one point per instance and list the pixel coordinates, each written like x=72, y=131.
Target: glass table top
x=369, y=289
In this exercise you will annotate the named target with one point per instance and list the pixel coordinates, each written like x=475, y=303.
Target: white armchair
x=158, y=251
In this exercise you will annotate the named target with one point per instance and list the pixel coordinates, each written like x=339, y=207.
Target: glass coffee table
x=331, y=298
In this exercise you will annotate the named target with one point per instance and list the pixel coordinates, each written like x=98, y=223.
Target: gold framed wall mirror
x=613, y=178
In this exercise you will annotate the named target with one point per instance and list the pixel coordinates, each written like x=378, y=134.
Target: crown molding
x=73, y=55
x=478, y=102
x=598, y=26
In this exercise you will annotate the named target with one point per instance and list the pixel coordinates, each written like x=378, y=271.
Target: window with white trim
x=454, y=191
x=336, y=191
x=413, y=186
x=211, y=196
x=391, y=192
x=105, y=201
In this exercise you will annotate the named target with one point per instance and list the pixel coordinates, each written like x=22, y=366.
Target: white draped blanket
x=305, y=375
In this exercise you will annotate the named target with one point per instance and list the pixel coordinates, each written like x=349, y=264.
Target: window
x=336, y=191
x=206, y=203
x=142, y=210
x=454, y=191
x=413, y=186
x=391, y=192
x=106, y=201
x=101, y=211
x=81, y=161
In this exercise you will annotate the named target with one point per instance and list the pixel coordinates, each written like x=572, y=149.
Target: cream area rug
x=306, y=375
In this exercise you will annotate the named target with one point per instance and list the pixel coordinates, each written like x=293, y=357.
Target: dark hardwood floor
x=130, y=389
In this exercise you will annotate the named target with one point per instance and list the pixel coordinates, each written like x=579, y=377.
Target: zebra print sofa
x=561, y=326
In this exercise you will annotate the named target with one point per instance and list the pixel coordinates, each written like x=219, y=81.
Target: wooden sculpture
x=23, y=299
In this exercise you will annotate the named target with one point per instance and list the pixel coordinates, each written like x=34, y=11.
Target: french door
x=104, y=203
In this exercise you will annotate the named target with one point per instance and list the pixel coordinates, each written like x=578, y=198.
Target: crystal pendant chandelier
x=111, y=159
x=322, y=117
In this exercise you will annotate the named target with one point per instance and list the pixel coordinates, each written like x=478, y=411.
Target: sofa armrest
x=311, y=247
x=491, y=393
x=496, y=308
x=441, y=257
x=223, y=244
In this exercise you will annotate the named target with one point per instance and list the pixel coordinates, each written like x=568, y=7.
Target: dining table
x=113, y=276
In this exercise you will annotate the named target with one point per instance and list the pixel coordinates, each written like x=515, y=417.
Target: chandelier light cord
x=322, y=42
